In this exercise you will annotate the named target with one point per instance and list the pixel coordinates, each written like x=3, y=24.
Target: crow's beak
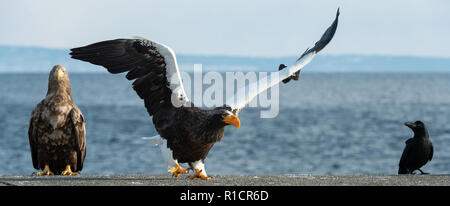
x=410, y=124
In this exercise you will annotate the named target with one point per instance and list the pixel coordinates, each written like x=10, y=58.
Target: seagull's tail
x=165, y=151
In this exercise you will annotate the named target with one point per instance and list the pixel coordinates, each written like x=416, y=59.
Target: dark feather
x=140, y=59
x=79, y=134
x=319, y=45
x=325, y=39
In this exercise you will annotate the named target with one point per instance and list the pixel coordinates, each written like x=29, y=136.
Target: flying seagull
x=57, y=132
x=186, y=132
x=418, y=150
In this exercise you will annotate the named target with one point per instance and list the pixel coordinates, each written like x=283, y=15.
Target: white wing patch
x=283, y=74
x=179, y=97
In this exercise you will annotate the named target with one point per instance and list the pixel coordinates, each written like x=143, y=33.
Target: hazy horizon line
x=254, y=56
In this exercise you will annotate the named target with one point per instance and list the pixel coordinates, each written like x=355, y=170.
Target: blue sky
x=233, y=27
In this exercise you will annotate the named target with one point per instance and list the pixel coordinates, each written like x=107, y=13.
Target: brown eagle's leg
x=45, y=172
x=68, y=171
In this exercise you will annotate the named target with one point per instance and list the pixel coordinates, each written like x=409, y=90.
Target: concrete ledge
x=228, y=180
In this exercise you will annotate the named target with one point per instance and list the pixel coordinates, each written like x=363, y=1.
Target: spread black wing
x=152, y=65
x=318, y=46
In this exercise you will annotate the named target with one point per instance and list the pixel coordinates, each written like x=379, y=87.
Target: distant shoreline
x=20, y=59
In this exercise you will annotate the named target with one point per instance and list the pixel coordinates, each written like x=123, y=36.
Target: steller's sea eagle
x=186, y=132
x=57, y=133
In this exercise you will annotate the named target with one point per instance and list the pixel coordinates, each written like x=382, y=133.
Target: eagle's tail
x=165, y=151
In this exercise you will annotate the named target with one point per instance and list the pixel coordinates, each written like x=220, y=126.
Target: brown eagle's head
x=58, y=80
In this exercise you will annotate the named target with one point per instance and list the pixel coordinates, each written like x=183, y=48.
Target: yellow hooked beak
x=232, y=120
x=59, y=74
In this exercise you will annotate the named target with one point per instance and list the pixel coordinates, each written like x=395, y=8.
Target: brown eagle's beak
x=232, y=120
x=59, y=74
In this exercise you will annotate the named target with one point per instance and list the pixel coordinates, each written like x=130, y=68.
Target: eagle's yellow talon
x=45, y=172
x=68, y=171
x=178, y=170
x=198, y=174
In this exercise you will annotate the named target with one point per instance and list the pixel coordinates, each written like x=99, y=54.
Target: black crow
x=418, y=150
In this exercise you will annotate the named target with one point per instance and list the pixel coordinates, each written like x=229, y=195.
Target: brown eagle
x=186, y=132
x=57, y=133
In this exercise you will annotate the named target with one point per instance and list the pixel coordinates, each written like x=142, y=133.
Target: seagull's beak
x=59, y=74
x=232, y=120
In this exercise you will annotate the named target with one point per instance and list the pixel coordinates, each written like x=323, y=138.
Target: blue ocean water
x=328, y=123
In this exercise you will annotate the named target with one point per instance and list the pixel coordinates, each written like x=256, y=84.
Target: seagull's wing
x=240, y=100
x=153, y=65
